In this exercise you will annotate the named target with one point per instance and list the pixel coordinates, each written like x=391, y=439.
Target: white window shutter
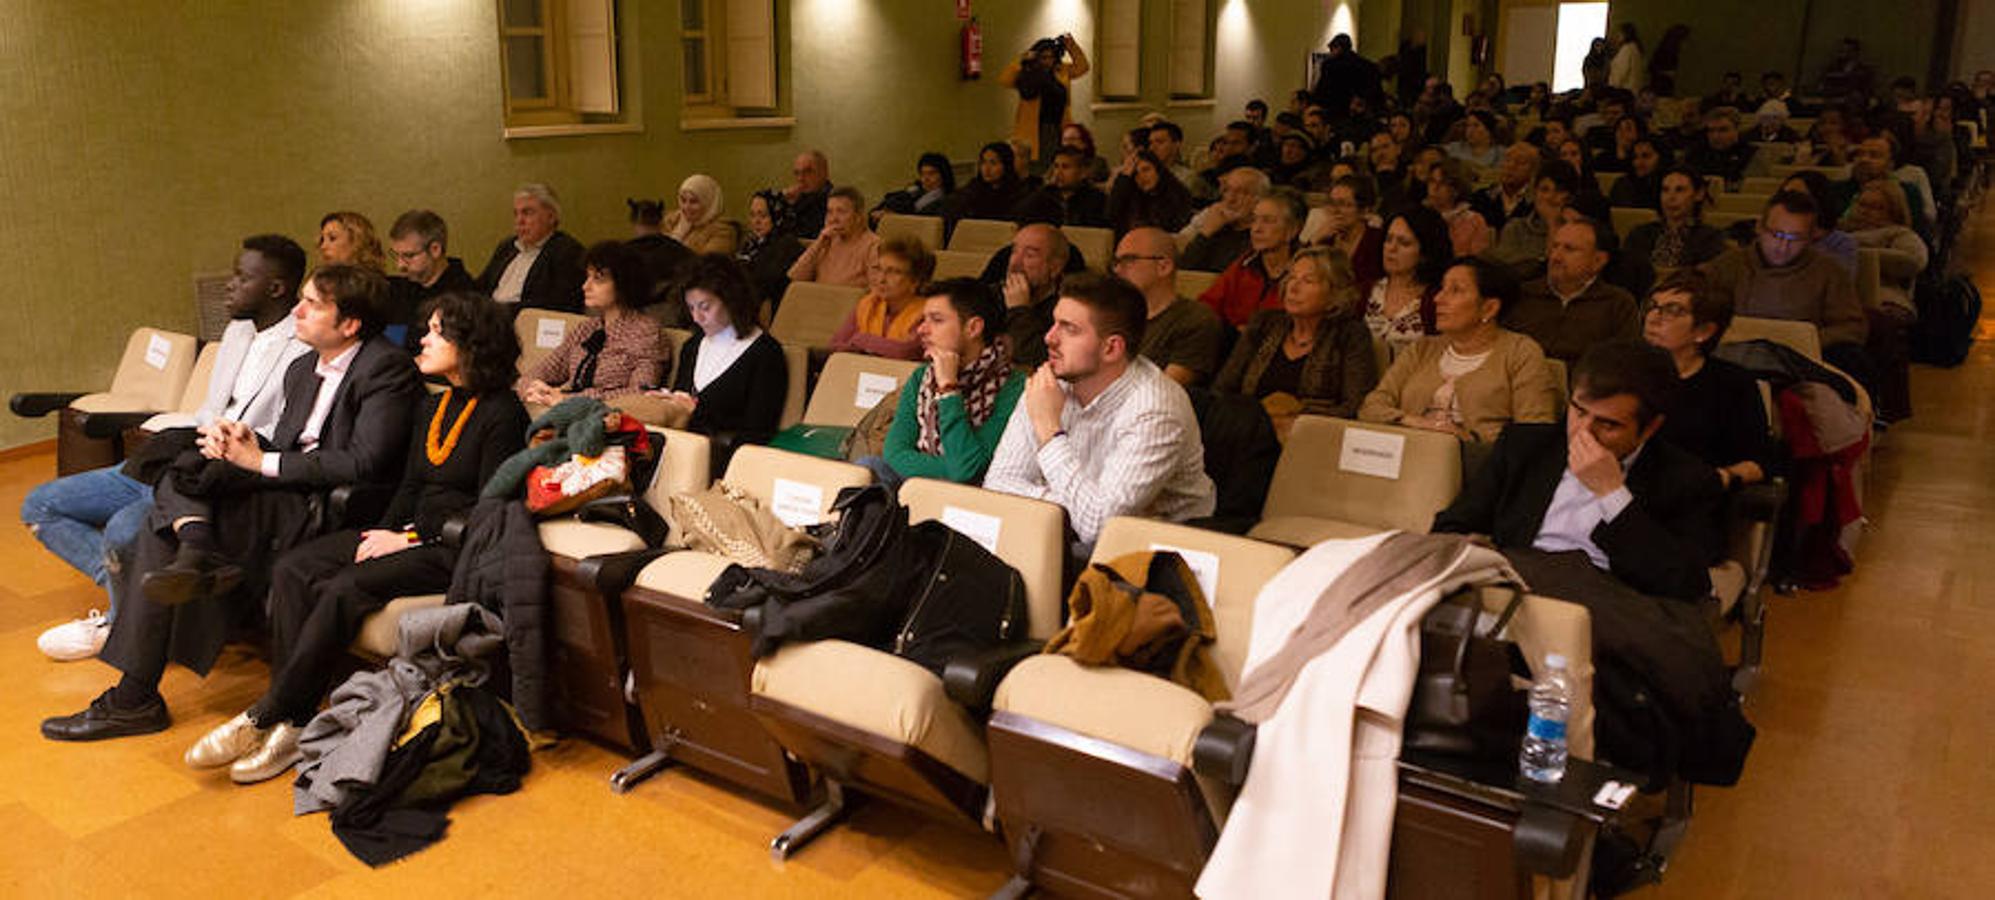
x=592, y=55
x=751, y=53
x=1120, y=57
x=1188, y=21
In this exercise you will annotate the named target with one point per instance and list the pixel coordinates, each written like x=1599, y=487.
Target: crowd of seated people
x=1418, y=266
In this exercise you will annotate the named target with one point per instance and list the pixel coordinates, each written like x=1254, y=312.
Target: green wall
x=1750, y=38
x=141, y=141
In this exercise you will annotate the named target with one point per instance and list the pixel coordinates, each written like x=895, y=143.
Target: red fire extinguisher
x=973, y=50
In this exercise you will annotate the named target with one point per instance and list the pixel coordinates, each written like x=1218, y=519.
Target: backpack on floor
x=1947, y=315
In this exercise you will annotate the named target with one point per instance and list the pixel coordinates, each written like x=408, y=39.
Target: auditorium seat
x=1628, y=218
x=961, y=263
x=129, y=426
x=1192, y=283
x=1749, y=204
x=1833, y=173
x=926, y=229
x=1724, y=220
x=873, y=722
x=541, y=332
x=811, y=313
x=1801, y=336
x=851, y=385
x=984, y=236
x=690, y=664
x=1096, y=245
x=1761, y=184
x=1342, y=479
x=151, y=377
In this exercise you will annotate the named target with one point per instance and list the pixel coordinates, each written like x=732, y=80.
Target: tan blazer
x=1514, y=385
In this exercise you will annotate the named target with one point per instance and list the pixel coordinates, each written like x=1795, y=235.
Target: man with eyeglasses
x=1782, y=276
x=1183, y=335
x=809, y=192
x=420, y=242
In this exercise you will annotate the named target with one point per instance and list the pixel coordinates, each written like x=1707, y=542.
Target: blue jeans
x=91, y=520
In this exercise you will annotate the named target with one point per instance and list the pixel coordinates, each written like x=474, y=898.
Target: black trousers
x=251, y=528
x=318, y=598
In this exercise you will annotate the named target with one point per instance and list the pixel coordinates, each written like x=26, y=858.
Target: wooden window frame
x=718, y=107
x=1208, y=76
x=560, y=112
x=1105, y=57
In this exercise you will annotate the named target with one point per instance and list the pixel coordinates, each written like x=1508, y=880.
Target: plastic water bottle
x=1543, y=757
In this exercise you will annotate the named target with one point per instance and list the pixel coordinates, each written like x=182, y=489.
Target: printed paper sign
x=974, y=525
x=157, y=349
x=548, y=333
x=796, y=504
x=1203, y=565
x=873, y=386
x=1374, y=453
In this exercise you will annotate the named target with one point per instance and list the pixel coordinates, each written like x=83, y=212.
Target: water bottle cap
x=1555, y=661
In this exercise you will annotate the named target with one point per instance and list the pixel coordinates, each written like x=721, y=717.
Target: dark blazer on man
x=1662, y=544
x=365, y=437
x=554, y=282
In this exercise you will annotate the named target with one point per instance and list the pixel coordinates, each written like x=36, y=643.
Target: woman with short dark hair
x=1718, y=416
x=1149, y=196
x=322, y=590
x=616, y=351
x=732, y=376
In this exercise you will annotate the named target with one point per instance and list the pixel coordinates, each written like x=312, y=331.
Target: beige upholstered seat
x=1801, y=336
x=851, y=385
x=770, y=476
x=1192, y=284
x=1027, y=534
x=1364, y=477
x=1761, y=184
x=1870, y=273
x=878, y=693
x=1833, y=173
x=541, y=332
x=926, y=229
x=152, y=375
x=683, y=464
x=1561, y=381
x=380, y=634
x=796, y=362
x=812, y=312
x=1606, y=180
x=1097, y=245
x=196, y=391
x=961, y=263
x=1723, y=220
x=1628, y=218
x=984, y=236
x=1748, y=203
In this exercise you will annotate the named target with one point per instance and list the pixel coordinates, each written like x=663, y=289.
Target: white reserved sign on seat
x=547, y=333
x=795, y=503
x=976, y=526
x=872, y=387
x=1204, y=566
x=1374, y=453
x=157, y=350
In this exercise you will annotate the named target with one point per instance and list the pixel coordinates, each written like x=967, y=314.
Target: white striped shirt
x=1134, y=451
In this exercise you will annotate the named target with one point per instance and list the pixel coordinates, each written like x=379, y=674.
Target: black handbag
x=1464, y=702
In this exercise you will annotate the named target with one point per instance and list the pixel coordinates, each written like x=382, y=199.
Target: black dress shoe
x=101, y=721
x=192, y=575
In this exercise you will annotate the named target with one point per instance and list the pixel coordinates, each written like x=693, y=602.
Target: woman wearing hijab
x=697, y=222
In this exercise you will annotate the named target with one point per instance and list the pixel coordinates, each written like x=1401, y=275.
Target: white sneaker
x=80, y=639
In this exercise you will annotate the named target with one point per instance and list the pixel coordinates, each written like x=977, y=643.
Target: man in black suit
x=222, y=514
x=1641, y=510
x=540, y=265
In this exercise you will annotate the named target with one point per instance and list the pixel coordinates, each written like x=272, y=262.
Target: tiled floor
x=1872, y=777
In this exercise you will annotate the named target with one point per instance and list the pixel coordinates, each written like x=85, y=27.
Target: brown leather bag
x=1465, y=702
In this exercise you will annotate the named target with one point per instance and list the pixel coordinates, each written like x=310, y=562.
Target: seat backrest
x=1714, y=184
x=851, y=385
x=1378, y=476
x=1761, y=184
x=926, y=229
x=196, y=391
x=1869, y=274
x=685, y=466
x=1724, y=220
x=1749, y=203
x=799, y=489
x=1545, y=625
x=1833, y=173
x=155, y=368
x=1801, y=124
x=1561, y=382
x=796, y=362
x=1097, y=245
x=1230, y=568
x=812, y=312
x=961, y=263
x=1029, y=535
x=1628, y=218
x=1192, y=284
x=981, y=235
x=1607, y=180
x=675, y=341
x=541, y=332
x=1802, y=336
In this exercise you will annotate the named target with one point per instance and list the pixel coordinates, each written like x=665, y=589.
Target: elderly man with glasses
x=1183, y=335
x=1781, y=276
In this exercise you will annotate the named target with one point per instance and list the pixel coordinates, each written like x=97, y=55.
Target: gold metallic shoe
x=277, y=755
x=231, y=741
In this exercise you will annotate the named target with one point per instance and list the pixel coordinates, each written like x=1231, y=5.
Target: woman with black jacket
x=321, y=591
x=1150, y=196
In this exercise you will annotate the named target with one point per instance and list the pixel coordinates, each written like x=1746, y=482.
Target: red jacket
x=1244, y=289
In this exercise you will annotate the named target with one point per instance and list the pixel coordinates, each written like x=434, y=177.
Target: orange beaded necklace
x=438, y=453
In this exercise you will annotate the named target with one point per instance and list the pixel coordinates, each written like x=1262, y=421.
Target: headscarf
x=782, y=220
x=708, y=190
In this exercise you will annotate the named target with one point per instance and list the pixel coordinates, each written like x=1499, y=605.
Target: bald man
x=1031, y=289
x=1183, y=335
x=1511, y=196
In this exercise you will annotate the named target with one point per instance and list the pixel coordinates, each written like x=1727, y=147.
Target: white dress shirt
x=331, y=374
x=1575, y=511
x=1135, y=450
x=513, y=280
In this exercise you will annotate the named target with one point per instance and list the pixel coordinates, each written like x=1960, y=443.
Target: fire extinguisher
x=973, y=50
